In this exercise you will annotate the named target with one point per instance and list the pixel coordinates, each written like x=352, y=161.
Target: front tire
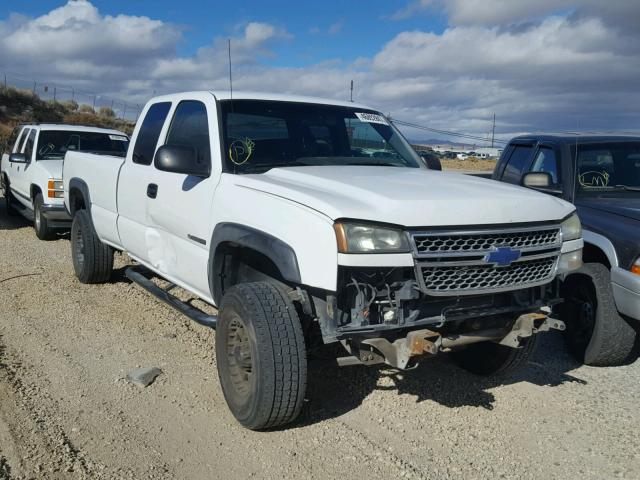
x=261, y=355
x=92, y=259
x=489, y=358
x=40, y=224
x=596, y=334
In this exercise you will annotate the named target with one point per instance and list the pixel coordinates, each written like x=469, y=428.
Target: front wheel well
x=34, y=190
x=593, y=254
x=234, y=264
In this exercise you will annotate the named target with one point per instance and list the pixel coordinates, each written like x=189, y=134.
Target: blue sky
x=538, y=65
x=360, y=28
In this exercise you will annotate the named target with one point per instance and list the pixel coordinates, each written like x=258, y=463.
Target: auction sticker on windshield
x=371, y=118
x=118, y=138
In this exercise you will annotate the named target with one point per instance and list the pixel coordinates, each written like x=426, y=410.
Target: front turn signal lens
x=635, y=268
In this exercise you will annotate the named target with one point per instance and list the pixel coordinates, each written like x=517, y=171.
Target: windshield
x=260, y=135
x=608, y=167
x=53, y=144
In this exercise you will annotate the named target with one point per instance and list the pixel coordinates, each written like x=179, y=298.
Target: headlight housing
x=635, y=268
x=55, y=189
x=362, y=238
x=571, y=228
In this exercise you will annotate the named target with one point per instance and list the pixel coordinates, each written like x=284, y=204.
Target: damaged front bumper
x=402, y=351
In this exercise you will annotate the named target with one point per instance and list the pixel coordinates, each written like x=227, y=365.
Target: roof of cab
x=277, y=97
x=577, y=137
x=72, y=128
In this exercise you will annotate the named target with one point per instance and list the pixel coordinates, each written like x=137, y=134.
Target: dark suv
x=600, y=174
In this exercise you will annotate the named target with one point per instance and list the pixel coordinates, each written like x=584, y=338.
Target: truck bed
x=99, y=174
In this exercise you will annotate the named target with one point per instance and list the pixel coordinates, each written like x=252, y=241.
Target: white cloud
x=537, y=65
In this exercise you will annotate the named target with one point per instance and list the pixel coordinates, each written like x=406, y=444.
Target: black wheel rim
x=583, y=307
x=79, y=247
x=239, y=357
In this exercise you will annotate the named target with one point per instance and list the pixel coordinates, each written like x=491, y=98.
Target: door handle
x=152, y=190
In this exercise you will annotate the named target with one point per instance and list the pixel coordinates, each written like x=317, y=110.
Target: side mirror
x=432, y=162
x=181, y=159
x=17, y=158
x=542, y=181
x=537, y=180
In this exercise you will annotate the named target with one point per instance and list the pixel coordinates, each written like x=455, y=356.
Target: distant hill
x=23, y=106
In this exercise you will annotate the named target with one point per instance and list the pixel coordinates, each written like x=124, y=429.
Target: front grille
x=451, y=243
x=477, y=261
x=448, y=279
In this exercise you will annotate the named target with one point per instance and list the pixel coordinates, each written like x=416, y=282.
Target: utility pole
x=493, y=130
x=351, y=91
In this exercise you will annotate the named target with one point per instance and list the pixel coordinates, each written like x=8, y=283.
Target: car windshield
x=608, y=167
x=53, y=144
x=260, y=135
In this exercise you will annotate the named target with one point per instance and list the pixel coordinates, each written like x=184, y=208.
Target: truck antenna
x=230, y=77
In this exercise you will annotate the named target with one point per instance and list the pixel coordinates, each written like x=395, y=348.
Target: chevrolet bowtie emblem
x=502, y=256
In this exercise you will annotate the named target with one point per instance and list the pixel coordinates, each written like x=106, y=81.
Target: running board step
x=135, y=275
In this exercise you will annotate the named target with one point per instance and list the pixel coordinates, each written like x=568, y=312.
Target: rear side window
x=149, y=133
x=28, y=146
x=190, y=126
x=546, y=161
x=518, y=162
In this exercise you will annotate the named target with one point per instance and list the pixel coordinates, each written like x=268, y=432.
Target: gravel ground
x=67, y=411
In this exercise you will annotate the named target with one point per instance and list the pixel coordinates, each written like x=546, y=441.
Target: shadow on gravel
x=11, y=223
x=334, y=391
x=5, y=469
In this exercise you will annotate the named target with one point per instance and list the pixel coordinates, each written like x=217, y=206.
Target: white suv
x=31, y=169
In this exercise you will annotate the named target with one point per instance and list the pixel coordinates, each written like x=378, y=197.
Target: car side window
x=518, y=162
x=149, y=133
x=19, y=148
x=28, y=146
x=546, y=161
x=11, y=141
x=190, y=126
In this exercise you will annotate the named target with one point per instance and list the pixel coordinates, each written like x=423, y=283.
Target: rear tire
x=596, y=334
x=489, y=358
x=9, y=201
x=92, y=259
x=261, y=355
x=40, y=224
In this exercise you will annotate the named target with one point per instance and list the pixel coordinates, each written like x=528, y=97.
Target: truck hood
x=52, y=167
x=627, y=205
x=409, y=197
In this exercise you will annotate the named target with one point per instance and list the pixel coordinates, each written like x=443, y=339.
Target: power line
x=445, y=132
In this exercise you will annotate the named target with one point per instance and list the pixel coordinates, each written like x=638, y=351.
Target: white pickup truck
x=310, y=222
x=31, y=169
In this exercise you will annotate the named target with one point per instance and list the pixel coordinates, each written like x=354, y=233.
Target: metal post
x=73, y=95
x=124, y=110
x=5, y=80
x=94, y=102
x=54, y=93
x=493, y=131
x=34, y=87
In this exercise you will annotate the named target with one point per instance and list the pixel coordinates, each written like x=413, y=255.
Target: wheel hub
x=239, y=356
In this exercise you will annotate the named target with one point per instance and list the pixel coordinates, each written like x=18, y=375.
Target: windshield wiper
x=628, y=188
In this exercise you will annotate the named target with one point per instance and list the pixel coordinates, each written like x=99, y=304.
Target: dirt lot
x=66, y=410
x=469, y=164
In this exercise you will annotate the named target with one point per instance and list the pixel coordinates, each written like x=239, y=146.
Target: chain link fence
x=65, y=93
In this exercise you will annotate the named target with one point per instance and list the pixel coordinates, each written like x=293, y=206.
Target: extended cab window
x=606, y=167
x=190, y=126
x=149, y=133
x=54, y=144
x=517, y=163
x=28, y=146
x=260, y=135
x=546, y=161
